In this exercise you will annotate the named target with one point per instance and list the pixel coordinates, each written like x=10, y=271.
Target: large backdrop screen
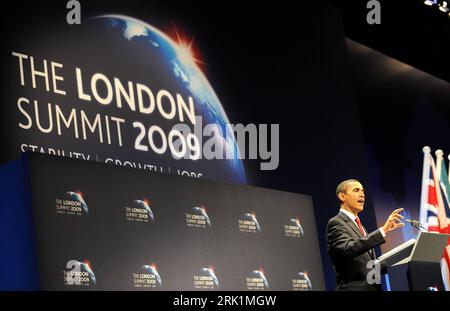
x=118, y=90
x=165, y=232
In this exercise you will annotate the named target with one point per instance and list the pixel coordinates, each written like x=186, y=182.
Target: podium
x=421, y=257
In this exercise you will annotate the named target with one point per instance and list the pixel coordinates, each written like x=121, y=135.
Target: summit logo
x=301, y=282
x=72, y=203
x=147, y=277
x=249, y=223
x=198, y=217
x=206, y=279
x=139, y=211
x=257, y=280
x=294, y=228
x=79, y=273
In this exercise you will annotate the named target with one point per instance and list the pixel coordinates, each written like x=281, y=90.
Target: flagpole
x=425, y=181
x=448, y=171
x=439, y=158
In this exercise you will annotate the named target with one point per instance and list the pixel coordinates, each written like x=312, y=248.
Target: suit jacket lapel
x=356, y=230
x=351, y=223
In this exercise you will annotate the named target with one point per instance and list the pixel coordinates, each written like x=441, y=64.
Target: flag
x=434, y=202
x=445, y=190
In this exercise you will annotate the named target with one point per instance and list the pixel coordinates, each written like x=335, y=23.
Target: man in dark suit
x=349, y=245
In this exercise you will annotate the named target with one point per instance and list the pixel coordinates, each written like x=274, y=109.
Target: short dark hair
x=342, y=187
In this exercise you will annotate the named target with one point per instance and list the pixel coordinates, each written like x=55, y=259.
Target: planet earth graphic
x=209, y=272
x=304, y=277
x=151, y=269
x=260, y=274
x=295, y=222
x=73, y=196
x=147, y=55
x=201, y=211
x=143, y=204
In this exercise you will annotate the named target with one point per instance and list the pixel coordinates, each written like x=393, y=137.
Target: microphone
x=412, y=221
x=416, y=224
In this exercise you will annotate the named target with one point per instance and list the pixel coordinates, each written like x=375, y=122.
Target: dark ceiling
x=410, y=31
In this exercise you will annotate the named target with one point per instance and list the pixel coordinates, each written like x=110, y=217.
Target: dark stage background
x=280, y=63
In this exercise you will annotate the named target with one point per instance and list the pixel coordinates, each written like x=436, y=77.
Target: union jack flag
x=435, y=201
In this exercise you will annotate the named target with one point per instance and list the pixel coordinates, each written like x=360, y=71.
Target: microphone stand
x=418, y=225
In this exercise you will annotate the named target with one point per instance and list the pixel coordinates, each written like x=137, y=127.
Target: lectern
x=422, y=257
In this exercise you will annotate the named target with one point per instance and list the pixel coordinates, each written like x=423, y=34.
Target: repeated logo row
x=81, y=274
x=73, y=203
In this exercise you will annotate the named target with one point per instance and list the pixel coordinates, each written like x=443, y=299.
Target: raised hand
x=394, y=221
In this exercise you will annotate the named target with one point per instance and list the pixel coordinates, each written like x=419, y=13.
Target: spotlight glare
x=429, y=2
x=443, y=7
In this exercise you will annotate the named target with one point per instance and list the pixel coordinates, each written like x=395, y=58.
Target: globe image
x=201, y=211
x=295, y=222
x=144, y=205
x=151, y=269
x=260, y=274
x=209, y=272
x=142, y=53
x=73, y=196
x=304, y=277
x=252, y=217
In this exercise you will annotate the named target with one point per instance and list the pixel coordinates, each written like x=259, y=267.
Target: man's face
x=354, y=197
